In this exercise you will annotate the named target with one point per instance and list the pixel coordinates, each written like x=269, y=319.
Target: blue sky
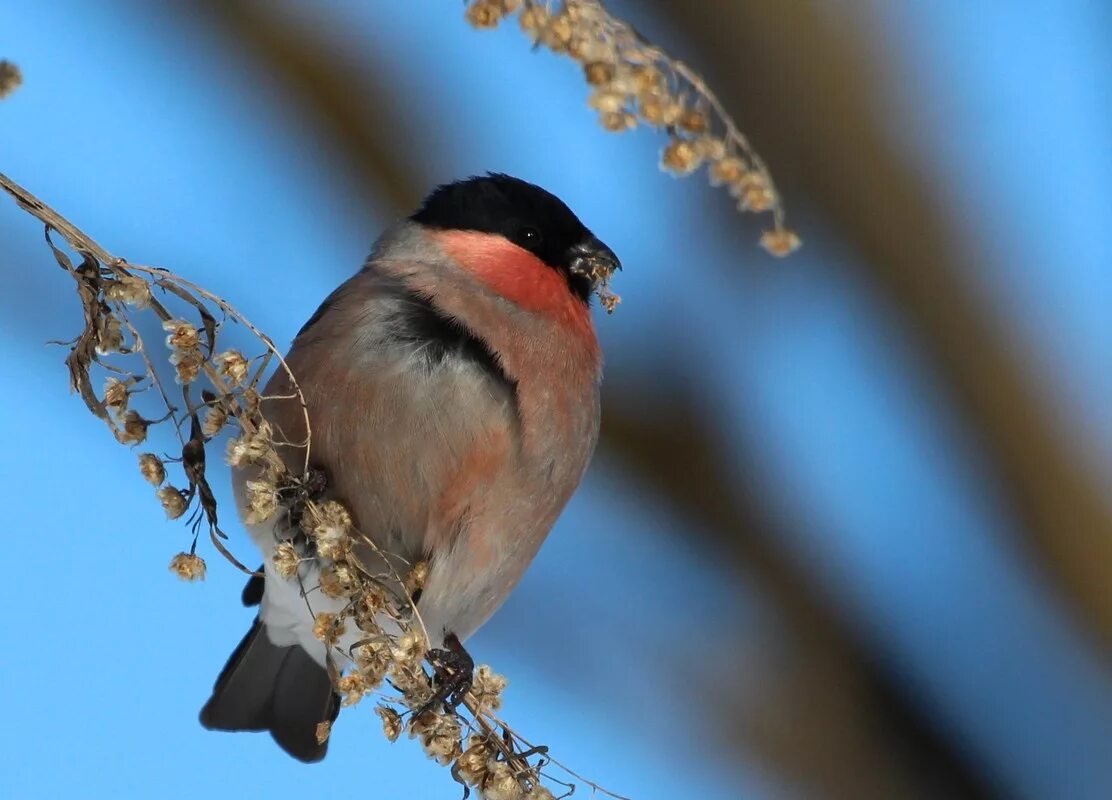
x=170, y=148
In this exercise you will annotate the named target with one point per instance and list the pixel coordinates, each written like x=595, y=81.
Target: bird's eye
x=529, y=236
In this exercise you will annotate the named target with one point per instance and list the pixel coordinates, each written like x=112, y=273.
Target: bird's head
x=520, y=241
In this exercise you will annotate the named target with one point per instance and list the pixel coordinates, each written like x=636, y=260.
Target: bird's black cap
x=524, y=213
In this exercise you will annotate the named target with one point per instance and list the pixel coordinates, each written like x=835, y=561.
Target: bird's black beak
x=593, y=261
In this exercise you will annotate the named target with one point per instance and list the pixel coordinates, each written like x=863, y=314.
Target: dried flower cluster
x=10, y=78
x=633, y=82
x=218, y=390
x=188, y=566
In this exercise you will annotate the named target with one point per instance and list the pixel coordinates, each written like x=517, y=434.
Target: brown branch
x=823, y=122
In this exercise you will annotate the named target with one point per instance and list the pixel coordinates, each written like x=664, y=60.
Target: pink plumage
x=453, y=391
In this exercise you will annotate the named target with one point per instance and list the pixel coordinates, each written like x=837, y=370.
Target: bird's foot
x=454, y=669
x=316, y=481
x=296, y=493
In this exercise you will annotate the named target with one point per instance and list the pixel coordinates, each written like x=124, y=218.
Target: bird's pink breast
x=517, y=275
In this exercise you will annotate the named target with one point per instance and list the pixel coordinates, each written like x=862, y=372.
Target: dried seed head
x=330, y=525
x=391, y=722
x=500, y=783
x=129, y=289
x=262, y=501
x=617, y=121
x=133, y=428
x=373, y=659
x=728, y=170
x=634, y=81
x=659, y=110
x=417, y=577
x=756, y=199
x=558, y=32
x=421, y=723
x=173, y=502
x=750, y=181
x=330, y=586
x=337, y=581
x=484, y=14
x=187, y=365
x=188, y=567
x=533, y=19
x=10, y=78
x=328, y=627
x=711, y=148
x=286, y=560
x=410, y=679
x=753, y=192
x=487, y=687
x=780, y=242
x=680, y=157
x=598, y=73
x=410, y=647
x=233, y=365
x=606, y=100
x=539, y=792
x=471, y=766
x=182, y=335
x=647, y=80
x=324, y=730
x=115, y=394
x=590, y=49
x=693, y=121
x=152, y=468
x=110, y=336
x=346, y=575
x=609, y=300
x=581, y=48
x=250, y=448
x=215, y=419
x=352, y=686
x=370, y=601
x=440, y=736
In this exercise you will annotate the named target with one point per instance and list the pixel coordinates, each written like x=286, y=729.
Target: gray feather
x=264, y=687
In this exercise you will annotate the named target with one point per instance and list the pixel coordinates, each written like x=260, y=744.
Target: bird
x=453, y=393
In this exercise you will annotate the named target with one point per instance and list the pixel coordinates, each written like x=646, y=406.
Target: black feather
x=264, y=687
x=441, y=336
x=524, y=213
x=253, y=591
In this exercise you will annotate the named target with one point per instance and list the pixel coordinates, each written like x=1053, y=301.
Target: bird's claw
x=454, y=669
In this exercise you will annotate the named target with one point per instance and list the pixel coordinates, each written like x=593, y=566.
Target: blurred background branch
x=822, y=121
x=892, y=747
x=851, y=621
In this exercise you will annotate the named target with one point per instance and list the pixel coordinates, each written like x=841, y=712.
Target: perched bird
x=452, y=387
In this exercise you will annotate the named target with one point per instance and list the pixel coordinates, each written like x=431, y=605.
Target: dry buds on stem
x=633, y=82
x=389, y=656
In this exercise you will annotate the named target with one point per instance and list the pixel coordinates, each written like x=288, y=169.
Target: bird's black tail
x=264, y=687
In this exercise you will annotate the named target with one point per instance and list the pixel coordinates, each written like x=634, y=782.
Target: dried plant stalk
x=634, y=82
x=215, y=389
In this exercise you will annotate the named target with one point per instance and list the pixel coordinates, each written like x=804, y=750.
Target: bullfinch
x=452, y=387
